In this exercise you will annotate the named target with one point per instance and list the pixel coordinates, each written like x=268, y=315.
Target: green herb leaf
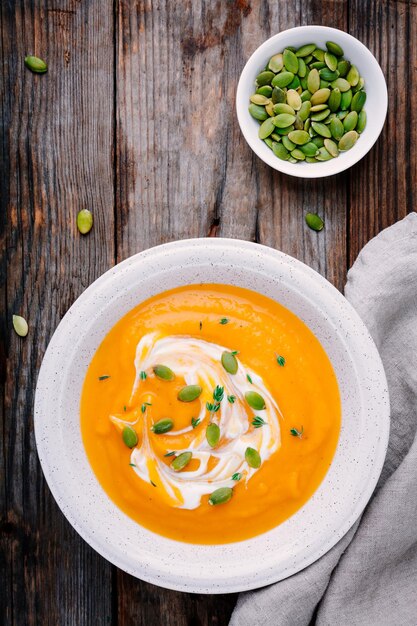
x=237, y=476
x=170, y=453
x=124, y=408
x=257, y=422
x=297, y=433
x=213, y=408
x=144, y=405
x=223, y=321
x=280, y=360
x=218, y=393
x=143, y=375
x=132, y=465
x=104, y=377
x=195, y=422
x=231, y=399
x=234, y=352
x=249, y=378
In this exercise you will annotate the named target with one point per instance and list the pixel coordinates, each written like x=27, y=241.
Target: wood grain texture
x=135, y=119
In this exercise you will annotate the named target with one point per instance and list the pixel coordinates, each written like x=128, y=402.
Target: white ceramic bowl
x=309, y=533
x=356, y=53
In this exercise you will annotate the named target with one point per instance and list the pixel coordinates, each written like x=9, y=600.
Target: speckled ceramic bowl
x=318, y=525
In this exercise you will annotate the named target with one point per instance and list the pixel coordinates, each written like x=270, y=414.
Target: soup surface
x=210, y=413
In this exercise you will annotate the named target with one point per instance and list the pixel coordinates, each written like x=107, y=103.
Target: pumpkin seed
x=318, y=65
x=334, y=99
x=342, y=114
x=328, y=75
x=313, y=81
x=268, y=142
x=283, y=108
x=359, y=86
x=265, y=90
x=360, y=126
x=318, y=107
x=321, y=129
x=212, y=434
x=253, y=458
x=280, y=151
x=290, y=61
x=331, y=61
x=293, y=99
x=264, y=78
x=181, y=461
x=318, y=141
x=20, y=325
x=288, y=143
x=334, y=48
x=266, y=128
x=84, y=221
x=350, y=121
x=298, y=124
x=229, y=362
x=318, y=54
x=309, y=149
x=258, y=112
x=299, y=137
x=305, y=110
x=358, y=101
x=320, y=96
x=283, y=120
x=343, y=68
x=302, y=68
x=305, y=96
x=323, y=155
x=163, y=372
x=311, y=160
x=129, y=437
x=320, y=116
x=284, y=131
x=162, y=426
x=189, y=393
x=295, y=83
x=255, y=400
x=283, y=79
x=346, y=100
x=298, y=155
x=276, y=63
x=258, y=98
x=348, y=140
x=275, y=137
x=307, y=125
x=292, y=160
x=36, y=65
x=314, y=221
x=270, y=109
x=278, y=95
x=353, y=76
x=220, y=496
x=341, y=83
x=337, y=129
x=306, y=50
x=331, y=147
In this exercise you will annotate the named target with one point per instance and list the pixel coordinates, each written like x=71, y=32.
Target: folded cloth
x=370, y=577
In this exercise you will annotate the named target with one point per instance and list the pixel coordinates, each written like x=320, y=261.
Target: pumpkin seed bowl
x=341, y=116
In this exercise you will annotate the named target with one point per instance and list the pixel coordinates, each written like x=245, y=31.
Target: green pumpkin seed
x=292, y=160
x=334, y=48
x=265, y=90
x=229, y=362
x=342, y=114
x=283, y=120
x=270, y=109
x=189, y=393
x=255, y=400
x=314, y=221
x=302, y=68
x=212, y=434
x=275, y=137
x=307, y=125
x=358, y=101
x=162, y=426
x=306, y=50
x=320, y=116
x=288, y=143
x=321, y=129
x=343, y=67
x=313, y=81
x=328, y=75
x=353, y=76
x=348, y=140
x=298, y=155
x=284, y=131
x=331, y=148
x=278, y=95
x=258, y=98
x=359, y=86
x=334, y=99
x=283, y=108
x=220, y=496
x=20, y=325
x=324, y=84
x=308, y=59
x=309, y=149
x=258, y=112
x=129, y=437
x=298, y=124
x=318, y=54
x=299, y=137
x=336, y=128
x=181, y=461
x=268, y=142
x=293, y=99
x=330, y=118
x=295, y=83
x=84, y=221
x=282, y=80
x=318, y=65
x=346, y=100
x=163, y=372
x=341, y=83
x=280, y=151
x=276, y=63
x=331, y=61
x=253, y=458
x=311, y=160
x=323, y=155
x=290, y=61
x=304, y=111
x=361, y=122
x=318, y=141
x=305, y=96
x=350, y=121
x=264, y=78
x=303, y=83
x=36, y=65
x=266, y=128
x=318, y=107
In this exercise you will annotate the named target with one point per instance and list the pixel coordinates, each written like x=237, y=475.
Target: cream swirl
x=198, y=362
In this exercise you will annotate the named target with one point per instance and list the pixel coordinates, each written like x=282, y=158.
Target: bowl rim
x=162, y=579
x=309, y=170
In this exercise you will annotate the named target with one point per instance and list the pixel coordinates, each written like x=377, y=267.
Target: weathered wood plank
x=383, y=187
x=56, y=153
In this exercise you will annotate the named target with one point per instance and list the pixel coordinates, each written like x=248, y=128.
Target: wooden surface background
x=135, y=120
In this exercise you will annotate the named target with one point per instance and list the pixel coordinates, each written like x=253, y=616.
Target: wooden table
x=135, y=120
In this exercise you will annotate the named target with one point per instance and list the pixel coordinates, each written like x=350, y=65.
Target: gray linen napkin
x=370, y=577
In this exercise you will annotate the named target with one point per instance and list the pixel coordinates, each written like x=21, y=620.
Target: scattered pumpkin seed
x=229, y=362
x=84, y=221
x=163, y=372
x=314, y=221
x=162, y=426
x=20, y=325
x=255, y=400
x=129, y=436
x=212, y=434
x=36, y=65
x=253, y=458
x=189, y=393
x=181, y=461
x=220, y=496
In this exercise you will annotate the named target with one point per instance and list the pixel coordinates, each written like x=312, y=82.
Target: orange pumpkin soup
x=210, y=413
